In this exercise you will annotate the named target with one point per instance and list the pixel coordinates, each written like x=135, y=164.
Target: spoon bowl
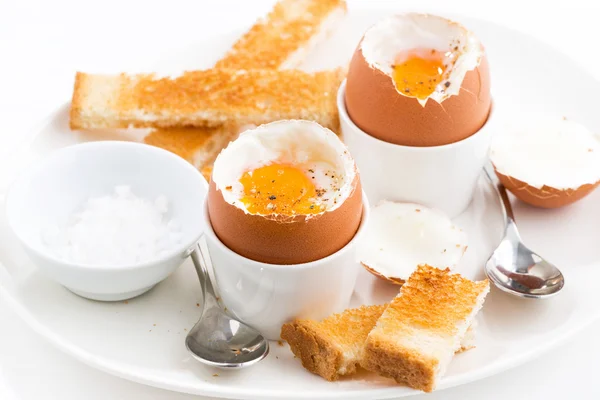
x=513, y=267
x=218, y=339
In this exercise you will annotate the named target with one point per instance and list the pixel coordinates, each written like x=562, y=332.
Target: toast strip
x=419, y=332
x=198, y=146
x=285, y=36
x=334, y=347
x=282, y=39
x=204, y=99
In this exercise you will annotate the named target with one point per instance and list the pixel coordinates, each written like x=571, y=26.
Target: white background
x=42, y=43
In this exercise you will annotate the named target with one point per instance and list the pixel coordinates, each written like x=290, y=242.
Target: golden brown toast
x=280, y=40
x=332, y=347
x=198, y=146
x=284, y=37
x=417, y=335
x=206, y=171
x=204, y=99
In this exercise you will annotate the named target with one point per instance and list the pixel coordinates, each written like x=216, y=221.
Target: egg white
x=304, y=144
x=389, y=37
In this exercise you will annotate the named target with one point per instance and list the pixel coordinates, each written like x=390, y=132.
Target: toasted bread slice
x=333, y=347
x=206, y=171
x=417, y=335
x=199, y=146
x=204, y=99
x=285, y=36
x=281, y=40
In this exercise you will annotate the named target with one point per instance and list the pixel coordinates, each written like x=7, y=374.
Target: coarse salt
x=116, y=230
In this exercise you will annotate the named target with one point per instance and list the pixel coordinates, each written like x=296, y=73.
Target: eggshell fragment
x=375, y=105
x=394, y=280
x=401, y=236
x=547, y=161
x=546, y=196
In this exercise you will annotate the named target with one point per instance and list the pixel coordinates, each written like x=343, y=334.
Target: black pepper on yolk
x=279, y=189
x=417, y=72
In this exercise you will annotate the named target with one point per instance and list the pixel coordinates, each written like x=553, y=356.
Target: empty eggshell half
x=459, y=103
x=547, y=161
x=278, y=237
x=401, y=236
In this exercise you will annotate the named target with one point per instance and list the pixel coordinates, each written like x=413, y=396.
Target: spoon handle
x=507, y=210
x=208, y=291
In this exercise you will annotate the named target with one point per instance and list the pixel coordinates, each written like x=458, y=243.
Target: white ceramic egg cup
x=441, y=177
x=265, y=296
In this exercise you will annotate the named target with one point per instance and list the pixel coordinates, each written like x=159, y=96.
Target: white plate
x=142, y=340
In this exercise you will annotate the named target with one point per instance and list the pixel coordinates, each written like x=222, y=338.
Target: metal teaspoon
x=513, y=267
x=217, y=339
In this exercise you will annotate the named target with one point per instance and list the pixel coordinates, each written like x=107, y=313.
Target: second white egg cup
x=265, y=296
x=441, y=177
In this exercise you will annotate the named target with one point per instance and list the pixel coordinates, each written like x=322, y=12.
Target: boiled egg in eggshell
x=401, y=236
x=286, y=192
x=546, y=160
x=418, y=80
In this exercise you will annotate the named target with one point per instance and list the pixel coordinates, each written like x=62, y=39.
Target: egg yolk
x=279, y=189
x=417, y=72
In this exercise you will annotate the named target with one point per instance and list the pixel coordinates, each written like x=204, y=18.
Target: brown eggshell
x=546, y=197
x=285, y=240
x=376, y=107
x=391, y=279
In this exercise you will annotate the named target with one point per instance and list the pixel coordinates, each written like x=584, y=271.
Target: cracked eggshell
x=546, y=196
x=547, y=161
x=375, y=105
x=401, y=236
x=278, y=239
x=392, y=279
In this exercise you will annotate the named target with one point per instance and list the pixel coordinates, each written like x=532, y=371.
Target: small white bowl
x=265, y=296
x=442, y=177
x=50, y=191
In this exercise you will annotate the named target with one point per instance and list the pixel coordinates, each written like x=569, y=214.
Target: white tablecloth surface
x=42, y=43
